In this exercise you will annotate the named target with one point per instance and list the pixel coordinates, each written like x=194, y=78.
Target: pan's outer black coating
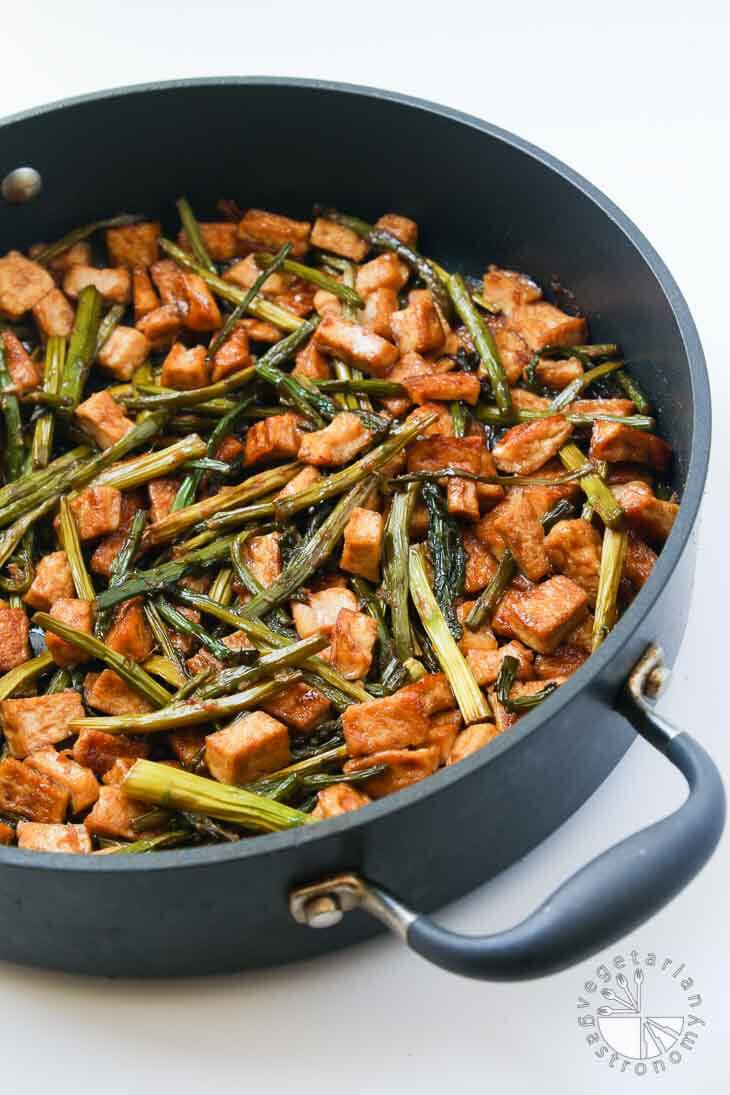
x=480, y=195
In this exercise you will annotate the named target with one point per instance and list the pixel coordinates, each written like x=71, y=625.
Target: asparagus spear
x=148, y=781
x=76, y=235
x=166, y=670
x=307, y=273
x=129, y=671
x=11, y=537
x=494, y=416
x=111, y=320
x=572, y=390
x=82, y=347
x=613, y=556
x=120, y=567
x=24, y=674
x=14, y=455
x=383, y=389
x=483, y=341
x=69, y=538
x=150, y=843
x=284, y=657
x=598, y=493
x=504, y=682
x=192, y=231
x=448, y=557
x=241, y=308
x=395, y=570
x=222, y=588
x=181, y=623
x=45, y=423
x=33, y=481
x=153, y=465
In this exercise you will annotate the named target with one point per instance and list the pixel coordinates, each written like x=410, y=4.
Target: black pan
x=481, y=195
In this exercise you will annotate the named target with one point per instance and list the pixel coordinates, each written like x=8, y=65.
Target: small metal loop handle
x=599, y=904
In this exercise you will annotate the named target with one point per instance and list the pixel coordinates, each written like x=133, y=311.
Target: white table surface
x=636, y=98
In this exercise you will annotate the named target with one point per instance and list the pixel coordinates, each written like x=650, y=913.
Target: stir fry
x=291, y=517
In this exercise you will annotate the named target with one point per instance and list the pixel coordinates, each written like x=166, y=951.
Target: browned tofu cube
x=384, y=272
x=614, y=443
x=119, y=771
x=340, y=240
x=114, y=284
x=446, y=387
x=363, y=544
x=75, y=613
x=443, y=426
x=419, y=327
x=649, y=517
x=34, y=836
x=434, y=692
x=233, y=355
x=486, y=664
x=338, y=443
x=130, y=634
x=512, y=524
x=102, y=419
x=260, y=331
x=108, y=693
x=322, y=610
x=113, y=815
x=311, y=363
x=162, y=494
x=299, y=706
x=556, y=374
x=161, y=326
x=258, y=227
x=22, y=284
x=525, y=448
x=514, y=355
x=351, y=646
x=97, y=511
x=488, y=494
x=96, y=750
x=444, y=728
x=325, y=302
x=81, y=782
x=506, y=290
x=54, y=315
x=262, y=556
x=481, y=638
x=133, y=244
x=189, y=748
x=376, y=316
x=563, y=663
x=391, y=722
x=356, y=345
x=542, y=617
x=14, y=646
x=502, y=617
x=169, y=281
x=220, y=239
x=246, y=272
x=105, y=553
x=123, y=352
x=522, y=400
x=338, y=799
x=574, y=549
x=403, y=228
x=455, y=453
x=472, y=739
x=403, y=768
x=480, y=564
x=185, y=369
x=620, y=407
x=253, y=745
x=144, y=295
x=23, y=370
x=77, y=253
x=34, y=723
x=31, y=794
x=542, y=324
x=640, y=560
x=276, y=438
x=303, y=479
x=202, y=313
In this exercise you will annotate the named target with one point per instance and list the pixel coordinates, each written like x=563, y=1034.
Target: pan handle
x=601, y=903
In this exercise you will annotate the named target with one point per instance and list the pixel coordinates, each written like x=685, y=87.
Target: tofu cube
x=640, y=560
x=311, y=363
x=376, y=316
x=246, y=272
x=119, y=771
x=404, y=767
x=24, y=372
x=97, y=511
x=130, y=633
x=133, y=244
x=384, y=272
x=169, y=281
x=185, y=369
x=363, y=544
x=14, y=629
x=123, y=352
x=320, y=614
x=22, y=284
x=39, y=721
x=262, y=556
x=563, y=663
x=144, y=295
x=340, y=240
x=77, y=253
x=299, y=706
x=356, y=345
x=7, y=834
x=544, y=615
x=514, y=355
x=486, y=664
x=434, y=692
x=96, y=750
x=574, y=549
x=444, y=728
x=512, y=525
x=419, y=327
x=113, y=815
x=272, y=439
x=202, y=314
x=75, y=613
x=161, y=326
x=480, y=564
x=303, y=479
x=525, y=448
x=80, y=782
x=455, y=453
x=219, y=237
x=114, y=284
x=506, y=290
x=258, y=227
x=391, y=722
x=233, y=355
x=351, y=646
x=34, y=836
x=108, y=693
x=338, y=799
x=614, y=443
x=403, y=228
x=649, y=517
x=189, y=748
x=541, y=324
x=54, y=315
x=162, y=495
x=253, y=745
x=260, y=331
x=557, y=374
x=472, y=739
x=31, y=794
x=341, y=440
x=446, y=387
x=102, y=419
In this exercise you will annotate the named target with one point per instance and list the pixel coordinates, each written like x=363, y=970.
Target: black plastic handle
x=605, y=899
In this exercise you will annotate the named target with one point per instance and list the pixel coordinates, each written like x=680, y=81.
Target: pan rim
x=188, y=858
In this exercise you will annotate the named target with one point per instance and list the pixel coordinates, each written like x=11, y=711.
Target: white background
x=634, y=96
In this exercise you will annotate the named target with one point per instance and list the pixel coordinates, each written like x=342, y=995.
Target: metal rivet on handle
x=322, y=912
x=21, y=185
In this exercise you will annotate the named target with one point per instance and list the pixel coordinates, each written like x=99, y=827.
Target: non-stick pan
x=480, y=195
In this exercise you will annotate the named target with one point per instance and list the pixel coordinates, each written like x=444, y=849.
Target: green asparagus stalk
x=24, y=674
x=306, y=767
x=154, y=465
x=82, y=347
x=596, y=350
x=192, y=231
x=14, y=454
x=149, y=781
x=613, y=556
x=573, y=390
x=111, y=320
x=493, y=416
x=69, y=538
x=169, y=651
x=469, y=696
x=182, y=624
x=448, y=558
x=129, y=671
x=11, y=537
x=633, y=391
x=433, y=476
x=284, y=657
x=76, y=235
x=120, y=567
x=241, y=308
x=166, y=670
x=151, y=843
x=382, y=389
x=483, y=341
x=504, y=682
x=315, y=277
x=45, y=424
x=222, y=588
x=598, y=493
x=396, y=570
x=33, y=481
